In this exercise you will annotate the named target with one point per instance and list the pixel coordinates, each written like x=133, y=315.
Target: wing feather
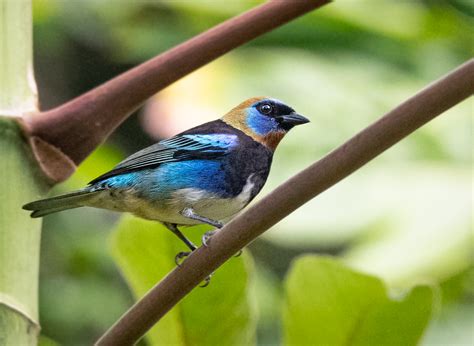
x=179, y=148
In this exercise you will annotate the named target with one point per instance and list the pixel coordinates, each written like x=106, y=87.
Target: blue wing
x=179, y=148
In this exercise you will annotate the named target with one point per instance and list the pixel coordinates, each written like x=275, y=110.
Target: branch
x=72, y=131
x=360, y=149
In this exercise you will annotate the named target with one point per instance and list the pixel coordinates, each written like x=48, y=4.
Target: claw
x=184, y=254
x=206, y=281
x=180, y=256
x=206, y=237
x=238, y=253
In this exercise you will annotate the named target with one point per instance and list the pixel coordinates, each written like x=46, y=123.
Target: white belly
x=202, y=202
x=208, y=205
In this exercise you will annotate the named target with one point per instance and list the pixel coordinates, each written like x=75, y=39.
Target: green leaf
x=326, y=303
x=218, y=314
x=45, y=341
x=103, y=159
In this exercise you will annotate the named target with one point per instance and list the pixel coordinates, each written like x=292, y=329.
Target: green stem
x=17, y=85
x=20, y=180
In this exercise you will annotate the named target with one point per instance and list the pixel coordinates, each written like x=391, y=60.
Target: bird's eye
x=266, y=108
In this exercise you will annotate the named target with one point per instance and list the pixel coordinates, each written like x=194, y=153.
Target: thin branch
x=79, y=126
x=363, y=147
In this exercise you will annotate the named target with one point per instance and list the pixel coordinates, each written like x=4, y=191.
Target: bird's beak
x=292, y=119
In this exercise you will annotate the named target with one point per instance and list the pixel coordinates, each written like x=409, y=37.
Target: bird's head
x=264, y=119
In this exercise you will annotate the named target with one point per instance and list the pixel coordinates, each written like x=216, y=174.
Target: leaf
x=102, y=159
x=326, y=303
x=45, y=341
x=219, y=314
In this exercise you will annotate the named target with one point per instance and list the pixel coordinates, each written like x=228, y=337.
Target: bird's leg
x=189, y=213
x=174, y=228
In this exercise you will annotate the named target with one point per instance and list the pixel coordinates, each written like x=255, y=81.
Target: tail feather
x=51, y=205
x=44, y=212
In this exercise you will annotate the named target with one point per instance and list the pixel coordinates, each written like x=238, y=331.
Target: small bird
x=204, y=175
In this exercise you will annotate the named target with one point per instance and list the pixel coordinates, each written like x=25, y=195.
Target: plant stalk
x=20, y=180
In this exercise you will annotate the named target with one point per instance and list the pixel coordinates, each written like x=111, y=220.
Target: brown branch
x=360, y=149
x=79, y=126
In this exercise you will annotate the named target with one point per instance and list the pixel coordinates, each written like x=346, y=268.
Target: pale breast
x=204, y=203
x=208, y=204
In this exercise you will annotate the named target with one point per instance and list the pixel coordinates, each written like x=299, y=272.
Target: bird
x=204, y=175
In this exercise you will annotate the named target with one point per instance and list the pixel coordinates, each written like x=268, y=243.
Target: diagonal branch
x=76, y=128
x=360, y=149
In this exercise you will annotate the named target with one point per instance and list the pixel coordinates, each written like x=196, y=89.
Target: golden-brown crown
x=237, y=118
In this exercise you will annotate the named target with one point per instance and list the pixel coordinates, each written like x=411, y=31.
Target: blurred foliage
x=326, y=303
x=221, y=314
x=406, y=217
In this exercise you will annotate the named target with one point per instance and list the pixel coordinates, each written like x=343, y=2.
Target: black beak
x=292, y=119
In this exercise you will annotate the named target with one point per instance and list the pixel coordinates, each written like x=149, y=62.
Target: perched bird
x=203, y=175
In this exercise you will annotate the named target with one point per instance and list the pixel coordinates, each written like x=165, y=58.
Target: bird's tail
x=51, y=205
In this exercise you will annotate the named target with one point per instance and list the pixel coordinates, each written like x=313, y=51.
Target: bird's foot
x=206, y=237
x=207, y=281
x=178, y=259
